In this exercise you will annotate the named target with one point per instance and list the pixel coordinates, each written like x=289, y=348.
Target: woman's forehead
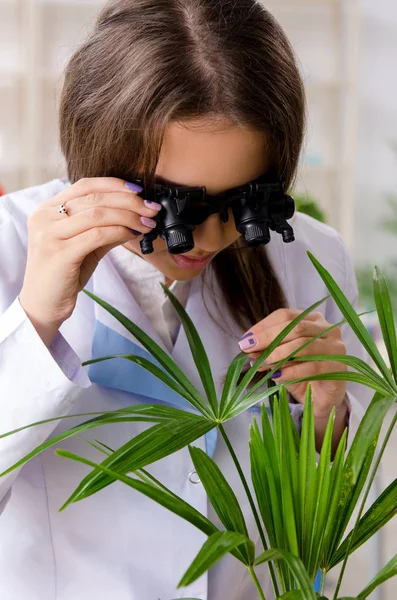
x=217, y=158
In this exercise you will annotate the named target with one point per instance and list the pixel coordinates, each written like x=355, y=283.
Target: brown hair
x=149, y=62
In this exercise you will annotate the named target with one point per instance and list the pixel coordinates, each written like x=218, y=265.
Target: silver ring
x=62, y=209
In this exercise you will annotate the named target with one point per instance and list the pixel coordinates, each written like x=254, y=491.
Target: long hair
x=150, y=62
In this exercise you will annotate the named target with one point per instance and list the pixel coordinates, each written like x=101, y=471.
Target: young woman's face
x=220, y=158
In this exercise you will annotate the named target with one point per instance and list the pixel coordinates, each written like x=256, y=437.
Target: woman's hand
x=326, y=394
x=64, y=250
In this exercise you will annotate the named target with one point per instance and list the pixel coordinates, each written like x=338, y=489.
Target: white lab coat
x=117, y=543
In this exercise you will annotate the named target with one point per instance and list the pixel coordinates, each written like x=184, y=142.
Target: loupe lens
x=255, y=234
x=179, y=240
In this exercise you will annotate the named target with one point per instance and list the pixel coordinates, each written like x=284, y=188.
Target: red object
x=2, y=190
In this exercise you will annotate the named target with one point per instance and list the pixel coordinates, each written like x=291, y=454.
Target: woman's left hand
x=326, y=394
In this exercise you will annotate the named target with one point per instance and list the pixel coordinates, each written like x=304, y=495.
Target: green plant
x=302, y=510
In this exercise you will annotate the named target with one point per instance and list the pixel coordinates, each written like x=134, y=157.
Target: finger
x=91, y=185
x=259, y=339
x=285, y=316
x=307, y=369
x=96, y=240
x=113, y=200
x=141, y=220
x=315, y=348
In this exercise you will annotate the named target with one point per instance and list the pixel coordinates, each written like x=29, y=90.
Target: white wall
x=376, y=164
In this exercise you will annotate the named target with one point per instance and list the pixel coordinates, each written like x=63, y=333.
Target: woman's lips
x=187, y=262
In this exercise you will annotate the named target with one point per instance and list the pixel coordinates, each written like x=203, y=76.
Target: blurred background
x=347, y=51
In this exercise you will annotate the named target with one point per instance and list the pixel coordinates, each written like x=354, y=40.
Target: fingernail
x=152, y=205
x=136, y=232
x=247, y=342
x=276, y=375
x=148, y=222
x=134, y=187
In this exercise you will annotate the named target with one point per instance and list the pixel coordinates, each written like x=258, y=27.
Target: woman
x=200, y=94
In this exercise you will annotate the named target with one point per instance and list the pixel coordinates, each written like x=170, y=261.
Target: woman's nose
x=209, y=235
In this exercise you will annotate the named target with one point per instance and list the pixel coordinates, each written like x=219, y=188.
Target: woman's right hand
x=64, y=250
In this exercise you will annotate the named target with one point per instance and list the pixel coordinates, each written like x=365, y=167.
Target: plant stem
x=370, y=482
x=252, y=504
x=322, y=581
x=257, y=584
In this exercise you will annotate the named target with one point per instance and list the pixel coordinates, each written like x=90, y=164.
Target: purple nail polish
x=134, y=187
x=148, y=222
x=152, y=205
x=247, y=343
x=136, y=232
x=246, y=335
x=276, y=375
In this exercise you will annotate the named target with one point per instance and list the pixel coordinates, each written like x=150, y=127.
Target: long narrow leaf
x=144, y=449
x=154, y=370
x=157, y=352
x=352, y=318
x=216, y=547
x=388, y=571
x=232, y=376
x=197, y=349
x=380, y=513
x=221, y=496
x=292, y=356
x=307, y=476
x=324, y=495
x=386, y=317
x=154, y=490
x=333, y=505
x=340, y=376
x=147, y=413
x=352, y=361
x=288, y=473
x=247, y=402
x=261, y=483
x=361, y=454
x=297, y=569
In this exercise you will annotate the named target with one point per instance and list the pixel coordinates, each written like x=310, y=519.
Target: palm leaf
x=159, y=354
x=352, y=318
x=380, y=513
x=153, y=489
x=386, y=317
x=388, y=571
x=147, y=413
x=297, y=569
x=323, y=494
x=232, y=376
x=216, y=547
x=197, y=349
x=144, y=449
x=307, y=476
x=154, y=370
x=222, y=497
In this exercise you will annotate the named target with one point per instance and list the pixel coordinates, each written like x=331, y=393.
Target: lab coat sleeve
x=36, y=382
x=358, y=396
